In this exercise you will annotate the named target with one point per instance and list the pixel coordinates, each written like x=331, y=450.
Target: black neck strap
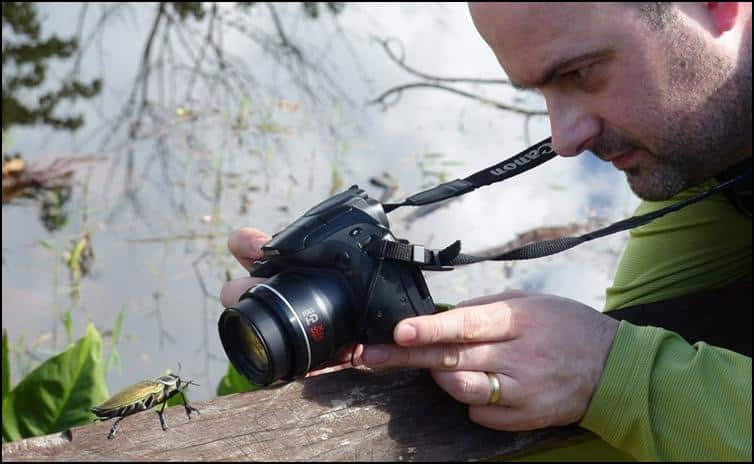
x=527, y=159
x=522, y=162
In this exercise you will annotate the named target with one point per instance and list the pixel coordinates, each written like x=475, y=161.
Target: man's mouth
x=624, y=160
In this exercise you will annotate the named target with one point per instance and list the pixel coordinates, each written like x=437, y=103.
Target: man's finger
x=445, y=356
x=232, y=290
x=490, y=322
x=246, y=245
x=487, y=299
x=473, y=387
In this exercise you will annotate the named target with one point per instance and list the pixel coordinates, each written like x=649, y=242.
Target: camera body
x=325, y=290
x=334, y=235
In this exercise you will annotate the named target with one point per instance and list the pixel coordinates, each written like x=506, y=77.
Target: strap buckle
x=430, y=259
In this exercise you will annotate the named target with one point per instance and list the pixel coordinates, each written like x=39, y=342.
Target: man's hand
x=246, y=245
x=548, y=353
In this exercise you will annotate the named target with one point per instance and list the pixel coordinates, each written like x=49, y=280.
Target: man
x=663, y=92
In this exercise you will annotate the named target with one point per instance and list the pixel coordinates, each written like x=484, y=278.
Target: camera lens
x=287, y=325
x=251, y=348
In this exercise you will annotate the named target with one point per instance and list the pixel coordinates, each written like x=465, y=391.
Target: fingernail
x=259, y=243
x=405, y=333
x=374, y=356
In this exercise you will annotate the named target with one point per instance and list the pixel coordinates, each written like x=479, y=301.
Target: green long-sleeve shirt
x=659, y=397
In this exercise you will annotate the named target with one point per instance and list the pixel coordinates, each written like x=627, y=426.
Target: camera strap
x=531, y=157
x=522, y=162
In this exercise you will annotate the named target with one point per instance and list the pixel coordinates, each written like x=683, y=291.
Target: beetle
x=142, y=396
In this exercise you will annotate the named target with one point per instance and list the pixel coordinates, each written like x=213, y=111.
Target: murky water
x=220, y=162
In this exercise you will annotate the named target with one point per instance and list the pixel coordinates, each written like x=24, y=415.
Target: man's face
x=668, y=107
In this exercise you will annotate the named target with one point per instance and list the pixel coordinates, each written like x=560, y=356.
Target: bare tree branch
x=204, y=63
x=281, y=32
x=79, y=32
x=200, y=59
x=437, y=82
x=397, y=90
x=401, y=61
x=141, y=81
x=146, y=67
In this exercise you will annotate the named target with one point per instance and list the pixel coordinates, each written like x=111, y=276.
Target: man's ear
x=723, y=15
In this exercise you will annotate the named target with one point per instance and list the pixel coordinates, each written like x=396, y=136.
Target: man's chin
x=650, y=186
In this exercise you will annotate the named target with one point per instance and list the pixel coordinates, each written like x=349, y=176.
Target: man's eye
x=577, y=74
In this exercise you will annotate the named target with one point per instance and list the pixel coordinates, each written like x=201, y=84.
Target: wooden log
x=351, y=415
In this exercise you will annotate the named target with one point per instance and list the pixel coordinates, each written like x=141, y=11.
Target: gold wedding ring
x=495, y=387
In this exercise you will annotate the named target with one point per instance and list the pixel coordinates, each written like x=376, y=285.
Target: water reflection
x=159, y=210
x=49, y=186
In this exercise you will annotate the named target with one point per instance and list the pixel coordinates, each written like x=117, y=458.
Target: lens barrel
x=287, y=325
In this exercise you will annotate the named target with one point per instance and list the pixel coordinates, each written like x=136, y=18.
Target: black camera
x=339, y=276
x=329, y=285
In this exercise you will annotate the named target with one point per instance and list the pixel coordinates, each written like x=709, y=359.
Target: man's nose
x=573, y=126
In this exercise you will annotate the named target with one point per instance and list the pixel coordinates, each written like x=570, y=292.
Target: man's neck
x=740, y=157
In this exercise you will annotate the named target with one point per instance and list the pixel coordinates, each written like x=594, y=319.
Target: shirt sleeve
x=660, y=398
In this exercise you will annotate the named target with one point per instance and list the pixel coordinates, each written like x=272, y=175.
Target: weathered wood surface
x=351, y=415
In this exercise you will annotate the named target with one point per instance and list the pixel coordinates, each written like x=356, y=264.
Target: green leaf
x=57, y=395
x=6, y=364
x=233, y=382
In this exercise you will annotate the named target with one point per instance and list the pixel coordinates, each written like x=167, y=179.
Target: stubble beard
x=702, y=137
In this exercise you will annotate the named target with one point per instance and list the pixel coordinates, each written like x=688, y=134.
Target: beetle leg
x=188, y=407
x=162, y=418
x=114, y=428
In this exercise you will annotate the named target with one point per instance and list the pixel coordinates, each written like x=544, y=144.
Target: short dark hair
x=657, y=14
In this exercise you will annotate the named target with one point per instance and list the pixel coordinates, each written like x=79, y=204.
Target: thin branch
x=400, y=61
x=98, y=29
x=198, y=273
x=397, y=90
x=141, y=78
x=218, y=46
x=79, y=32
x=145, y=64
x=157, y=312
x=281, y=32
x=200, y=59
x=298, y=68
x=224, y=71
